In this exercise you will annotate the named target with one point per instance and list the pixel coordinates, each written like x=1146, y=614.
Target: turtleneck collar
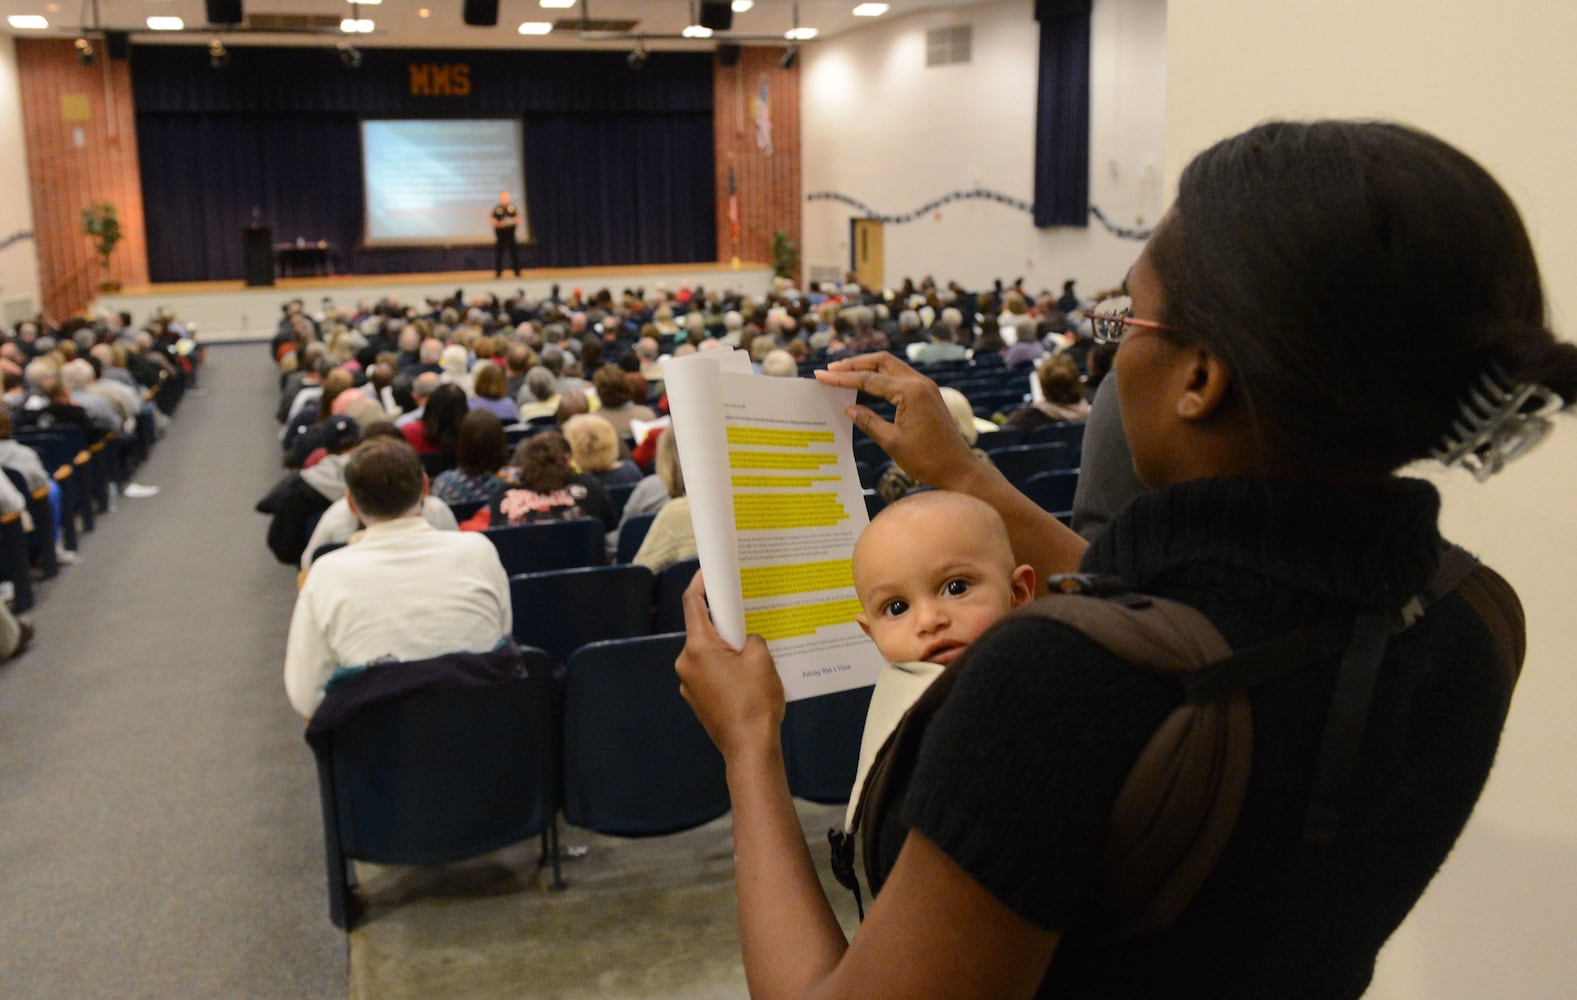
x=1369, y=545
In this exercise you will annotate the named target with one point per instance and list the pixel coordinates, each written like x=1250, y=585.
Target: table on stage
x=312, y=257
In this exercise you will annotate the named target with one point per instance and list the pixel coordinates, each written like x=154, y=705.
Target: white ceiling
x=400, y=24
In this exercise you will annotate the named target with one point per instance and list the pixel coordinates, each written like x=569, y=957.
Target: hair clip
x=1498, y=421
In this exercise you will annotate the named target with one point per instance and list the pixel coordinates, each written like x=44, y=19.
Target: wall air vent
x=945, y=46
x=574, y=24
x=292, y=22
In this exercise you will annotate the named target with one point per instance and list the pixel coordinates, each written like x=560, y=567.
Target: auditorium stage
x=230, y=310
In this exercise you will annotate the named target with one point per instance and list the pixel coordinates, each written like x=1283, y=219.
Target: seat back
x=631, y=534
x=534, y=548
x=1069, y=434
x=821, y=744
x=434, y=462
x=463, y=511
x=443, y=775
x=559, y=611
x=636, y=762
x=1002, y=437
x=617, y=495
x=1053, y=491
x=1021, y=462
x=669, y=598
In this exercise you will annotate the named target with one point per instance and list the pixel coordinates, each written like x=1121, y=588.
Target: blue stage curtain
x=1062, y=114
x=618, y=165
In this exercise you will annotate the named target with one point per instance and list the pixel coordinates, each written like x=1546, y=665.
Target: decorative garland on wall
x=964, y=195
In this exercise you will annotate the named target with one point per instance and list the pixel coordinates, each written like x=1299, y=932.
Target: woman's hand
x=922, y=437
x=736, y=693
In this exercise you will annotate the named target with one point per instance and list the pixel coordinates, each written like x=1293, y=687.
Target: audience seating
x=1053, y=491
x=874, y=503
x=533, y=548
x=561, y=610
x=1002, y=437
x=462, y=511
x=41, y=540
x=14, y=561
x=668, y=615
x=821, y=744
x=636, y=762
x=1069, y=434
x=631, y=534
x=1023, y=461
x=76, y=491
x=439, y=776
x=617, y=495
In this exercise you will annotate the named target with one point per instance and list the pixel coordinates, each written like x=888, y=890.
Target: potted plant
x=785, y=256
x=102, y=223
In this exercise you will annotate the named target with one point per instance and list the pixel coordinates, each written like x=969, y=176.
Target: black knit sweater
x=1020, y=765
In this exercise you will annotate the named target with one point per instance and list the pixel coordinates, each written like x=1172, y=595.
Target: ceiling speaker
x=728, y=55
x=717, y=16
x=118, y=44
x=481, y=13
x=223, y=11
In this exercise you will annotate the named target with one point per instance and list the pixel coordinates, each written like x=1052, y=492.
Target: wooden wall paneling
x=74, y=163
x=769, y=186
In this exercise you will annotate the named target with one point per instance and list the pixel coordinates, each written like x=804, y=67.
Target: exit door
x=865, y=239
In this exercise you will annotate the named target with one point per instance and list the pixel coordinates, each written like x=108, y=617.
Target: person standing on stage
x=505, y=218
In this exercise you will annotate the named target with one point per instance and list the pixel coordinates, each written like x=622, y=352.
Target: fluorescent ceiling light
x=28, y=21
x=696, y=31
x=357, y=26
x=800, y=34
x=740, y=6
x=870, y=10
x=165, y=24
x=535, y=27
x=365, y=3
x=558, y=4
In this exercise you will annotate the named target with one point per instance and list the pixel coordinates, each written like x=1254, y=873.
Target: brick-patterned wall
x=769, y=186
x=67, y=176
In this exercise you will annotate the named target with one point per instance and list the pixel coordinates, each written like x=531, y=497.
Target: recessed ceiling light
x=165, y=24
x=365, y=3
x=535, y=27
x=558, y=4
x=27, y=21
x=424, y=12
x=53, y=8
x=357, y=26
x=870, y=10
x=696, y=31
x=740, y=6
x=800, y=34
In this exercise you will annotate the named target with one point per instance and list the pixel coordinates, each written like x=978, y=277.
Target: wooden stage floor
x=230, y=310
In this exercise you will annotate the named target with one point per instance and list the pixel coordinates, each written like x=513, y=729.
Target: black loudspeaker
x=481, y=13
x=223, y=11
x=257, y=254
x=717, y=16
x=118, y=44
x=728, y=55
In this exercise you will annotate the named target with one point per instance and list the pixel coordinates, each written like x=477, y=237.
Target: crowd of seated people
x=84, y=401
x=467, y=379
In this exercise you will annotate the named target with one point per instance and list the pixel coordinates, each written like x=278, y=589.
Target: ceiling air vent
x=944, y=46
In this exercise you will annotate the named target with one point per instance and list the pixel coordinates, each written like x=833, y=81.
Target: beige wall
x=1499, y=81
x=19, y=288
x=881, y=127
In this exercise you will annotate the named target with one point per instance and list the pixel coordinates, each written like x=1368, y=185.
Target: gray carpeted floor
x=159, y=829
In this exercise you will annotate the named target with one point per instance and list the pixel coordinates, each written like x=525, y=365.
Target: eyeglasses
x=1112, y=317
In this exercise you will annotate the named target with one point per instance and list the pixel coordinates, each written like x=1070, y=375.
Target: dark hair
x=612, y=390
x=544, y=462
x=482, y=447
x=490, y=381
x=441, y=416
x=384, y=477
x=1295, y=251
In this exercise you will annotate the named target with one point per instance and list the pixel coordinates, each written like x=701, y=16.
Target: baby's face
x=929, y=587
